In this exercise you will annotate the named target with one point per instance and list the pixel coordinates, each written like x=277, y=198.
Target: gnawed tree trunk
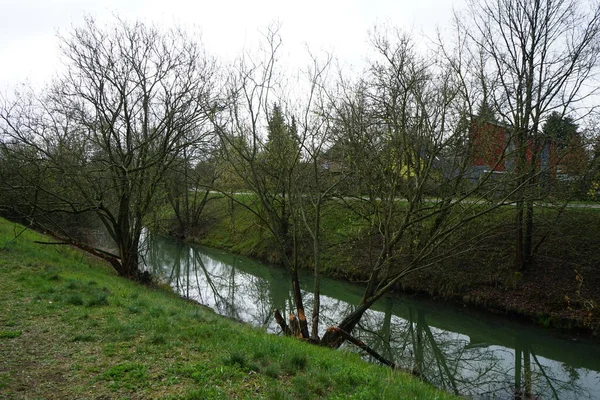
x=334, y=337
x=301, y=317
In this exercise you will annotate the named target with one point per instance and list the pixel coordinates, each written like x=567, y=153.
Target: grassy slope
x=70, y=328
x=562, y=289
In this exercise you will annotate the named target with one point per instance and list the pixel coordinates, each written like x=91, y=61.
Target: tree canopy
x=107, y=131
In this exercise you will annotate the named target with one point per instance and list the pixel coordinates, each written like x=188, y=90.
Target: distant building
x=494, y=150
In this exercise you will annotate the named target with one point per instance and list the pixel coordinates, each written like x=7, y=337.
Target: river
x=456, y=348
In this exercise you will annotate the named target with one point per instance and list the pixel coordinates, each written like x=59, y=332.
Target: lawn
x=70, y=328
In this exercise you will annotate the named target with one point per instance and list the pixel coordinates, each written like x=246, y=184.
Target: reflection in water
x=482, y=357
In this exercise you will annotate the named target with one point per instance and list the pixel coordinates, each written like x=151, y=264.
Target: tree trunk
x=519, y=236
x=316, y=272
x=129, y=265
x=333, y=337
x=528, y=237
x=303, y=324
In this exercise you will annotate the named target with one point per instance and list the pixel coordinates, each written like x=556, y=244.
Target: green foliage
x=485, y=112
x=559, y=128
x=4, y=380
x=294, y=364
x=130, y=376
x=10, y=334
x=282, y=144
x=84, y=338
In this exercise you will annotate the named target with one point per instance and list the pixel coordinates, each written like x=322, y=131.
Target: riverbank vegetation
x=71, y=328
x=560, y=289
x=393, y=175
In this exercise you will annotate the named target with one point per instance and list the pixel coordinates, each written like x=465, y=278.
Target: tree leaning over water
x=397, y=127
x=390, y=126
x=105, y=137
x=102, y=137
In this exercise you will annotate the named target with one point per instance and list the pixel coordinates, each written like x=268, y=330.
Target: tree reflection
x=225, y=288
x=450, y=361
x=243, y=290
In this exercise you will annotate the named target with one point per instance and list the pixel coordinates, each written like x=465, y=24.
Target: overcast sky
x=28, y=28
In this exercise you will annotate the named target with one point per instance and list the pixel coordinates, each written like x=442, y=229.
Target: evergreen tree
x=561, y=129
x=281, y=160
x=282, y=144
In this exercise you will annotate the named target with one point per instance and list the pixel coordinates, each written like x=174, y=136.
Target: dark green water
x=468, y=352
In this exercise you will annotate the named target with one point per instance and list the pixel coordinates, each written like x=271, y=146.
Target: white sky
x=28, y=28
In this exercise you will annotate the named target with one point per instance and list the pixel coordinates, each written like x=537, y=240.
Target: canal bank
x=71, y=329
x=560, y=290
x=461, y=350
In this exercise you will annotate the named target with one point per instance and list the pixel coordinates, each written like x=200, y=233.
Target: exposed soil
x=551, y=294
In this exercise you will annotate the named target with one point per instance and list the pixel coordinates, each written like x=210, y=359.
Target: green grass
x=70, y=328
x=570, y=237
x=9, y=334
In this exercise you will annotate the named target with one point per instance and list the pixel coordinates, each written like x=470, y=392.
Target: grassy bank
x=70, y=328
x=561, y=289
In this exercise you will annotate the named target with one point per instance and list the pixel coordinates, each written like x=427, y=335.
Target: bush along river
x=461, y=350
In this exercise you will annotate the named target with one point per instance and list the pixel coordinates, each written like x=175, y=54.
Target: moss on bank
x=70, y=328
x=561, y=289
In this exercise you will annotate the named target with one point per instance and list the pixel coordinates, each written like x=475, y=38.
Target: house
x=494, y=150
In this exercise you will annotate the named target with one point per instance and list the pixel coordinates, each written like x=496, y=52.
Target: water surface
x=458, y=349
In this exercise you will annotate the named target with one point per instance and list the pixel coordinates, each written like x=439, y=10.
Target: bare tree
x=268, y=163
x=393, y=126
x=275, y=155
x=189, y=182
x=131, y=99
x=318, y=180
x=537, y=56
x=398, y=120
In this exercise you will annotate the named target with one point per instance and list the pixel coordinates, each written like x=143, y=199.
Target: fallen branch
x=113, y=259
x=363, y=346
